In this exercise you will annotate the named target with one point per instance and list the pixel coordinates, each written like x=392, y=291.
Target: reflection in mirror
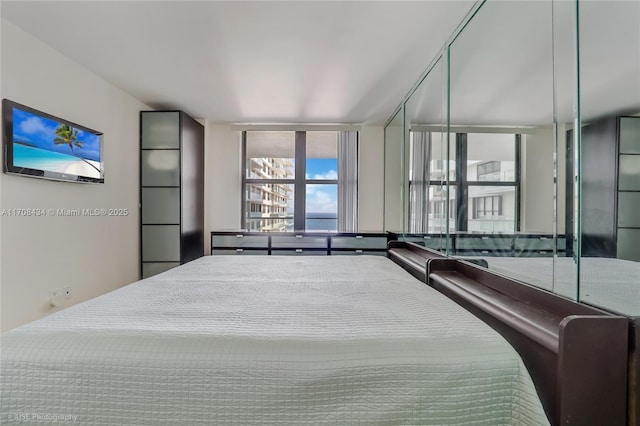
x=508, y=186
x=426, y=212
x=610, y=155
x=393, y=174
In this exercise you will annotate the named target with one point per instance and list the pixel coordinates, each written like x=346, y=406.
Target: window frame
x=495, y=200
x=299, y=182
x=462, y=183
x=485, y=166
x=459, y=185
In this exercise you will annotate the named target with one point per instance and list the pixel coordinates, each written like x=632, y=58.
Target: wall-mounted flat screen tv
x=38, y=144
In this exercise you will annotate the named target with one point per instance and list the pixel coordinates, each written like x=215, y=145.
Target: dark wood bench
x=576, y=354
x=412, y=257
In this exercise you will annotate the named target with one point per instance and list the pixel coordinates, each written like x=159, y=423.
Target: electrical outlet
x=66, y=291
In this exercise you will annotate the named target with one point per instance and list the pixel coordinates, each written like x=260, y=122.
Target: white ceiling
x=508, y=71
x=251, y=62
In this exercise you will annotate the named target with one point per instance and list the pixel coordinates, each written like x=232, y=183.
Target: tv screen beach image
x=43, y=144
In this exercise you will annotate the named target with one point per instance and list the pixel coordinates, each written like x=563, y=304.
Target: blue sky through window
x=322, y=168
x=322, y=198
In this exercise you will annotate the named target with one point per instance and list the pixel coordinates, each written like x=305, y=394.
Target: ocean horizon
x=321, y=222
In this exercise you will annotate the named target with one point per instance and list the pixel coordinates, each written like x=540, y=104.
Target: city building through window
x=481, y=182
x=291, y=180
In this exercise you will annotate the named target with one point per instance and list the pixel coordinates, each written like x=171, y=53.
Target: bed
x=268, y=340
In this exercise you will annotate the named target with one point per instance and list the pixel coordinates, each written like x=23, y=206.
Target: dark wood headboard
x=577, y=355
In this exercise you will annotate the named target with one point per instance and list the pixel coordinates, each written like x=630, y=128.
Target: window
x=489, y=171
x=487, y=206
x=427, y=183
x=483, y=177
x=321, y=181
x=437, y=209
x=492, y=182
x=291, y=180
x=268, y=182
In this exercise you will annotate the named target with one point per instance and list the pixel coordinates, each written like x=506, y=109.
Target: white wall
x=393, y=174
x=223, y=180
x=94, y=255
x=371, y=179
x=537, y=182
x=489, y=146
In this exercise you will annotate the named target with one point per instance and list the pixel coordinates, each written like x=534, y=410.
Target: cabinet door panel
x=160, y=167
x=160, y=206
x=358, y=253
x=630, y=135
x=161, y=243
x=629, y=169
x=298, y=241
x=361, y=242
x=628, y=247
x=160, y=130
x=628, y=208
x=298, y=252
x=240, y=240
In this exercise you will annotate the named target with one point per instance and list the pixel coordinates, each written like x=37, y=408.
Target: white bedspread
x=238, y=340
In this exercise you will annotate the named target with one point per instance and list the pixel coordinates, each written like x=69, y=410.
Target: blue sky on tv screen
x=39, y=132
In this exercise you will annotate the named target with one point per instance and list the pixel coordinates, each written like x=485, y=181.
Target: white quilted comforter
x=237, y=340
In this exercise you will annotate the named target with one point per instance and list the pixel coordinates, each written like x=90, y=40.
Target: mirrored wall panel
x=508, y=122
x=610, y=155
x=521, y=147
x=485, y=167
x=428, y=211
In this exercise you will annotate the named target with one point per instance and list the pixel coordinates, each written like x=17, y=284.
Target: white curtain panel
x=419, y=190
x=347, y=181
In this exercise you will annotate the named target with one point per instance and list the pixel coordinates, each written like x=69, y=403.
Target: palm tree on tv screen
x=66, y=134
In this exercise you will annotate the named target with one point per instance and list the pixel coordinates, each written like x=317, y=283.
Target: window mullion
x=300, y=192
x=243, y=203
x=461, y=182
x=518, y=165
